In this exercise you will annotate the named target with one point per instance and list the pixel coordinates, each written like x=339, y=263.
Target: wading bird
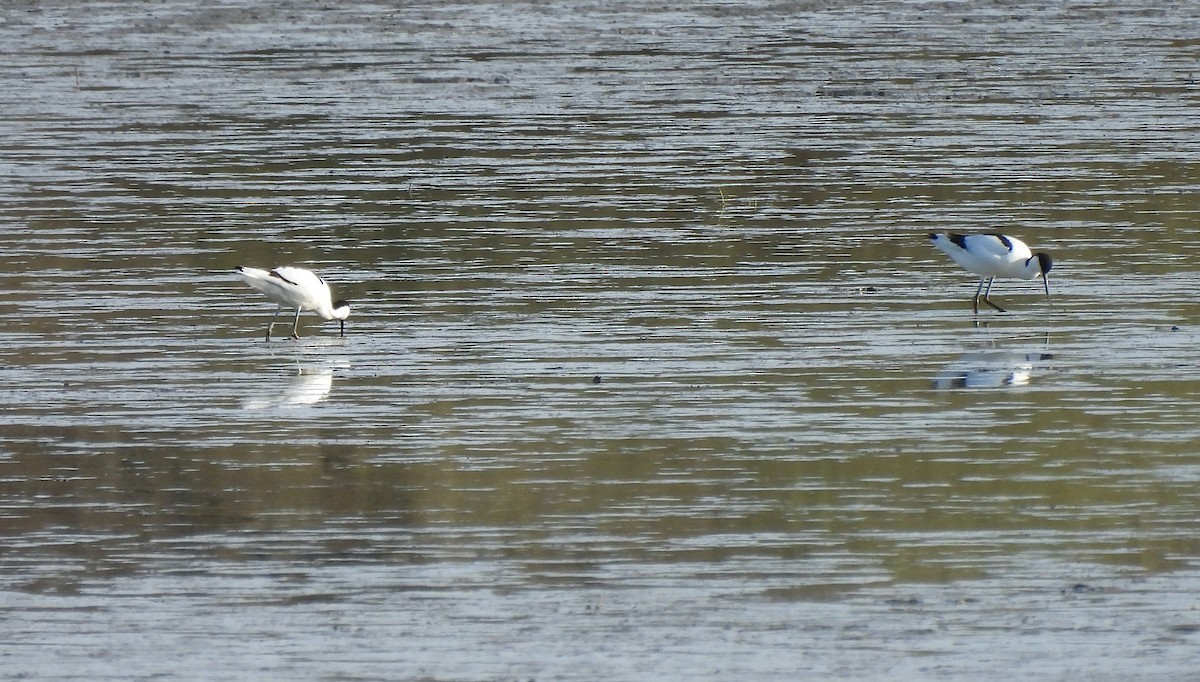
x=991, y=256
x=295, y=288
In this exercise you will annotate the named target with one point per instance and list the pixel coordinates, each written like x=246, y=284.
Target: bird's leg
x=296, y=325
x=269, y=326
x=975, y=301
x=988, y=293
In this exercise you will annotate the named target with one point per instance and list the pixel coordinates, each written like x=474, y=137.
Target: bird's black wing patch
x=960, y=240
x=1004, y=240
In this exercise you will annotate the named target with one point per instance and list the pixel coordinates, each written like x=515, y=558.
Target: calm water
x=651, y=373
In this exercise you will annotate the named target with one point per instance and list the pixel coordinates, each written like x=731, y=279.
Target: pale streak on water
x=651, y=373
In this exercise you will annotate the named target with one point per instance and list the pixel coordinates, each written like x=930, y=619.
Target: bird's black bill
x=343, y=324
x=1046, y=283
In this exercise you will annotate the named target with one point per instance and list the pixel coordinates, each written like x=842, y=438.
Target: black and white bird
x=991, y=256
x=295, y=288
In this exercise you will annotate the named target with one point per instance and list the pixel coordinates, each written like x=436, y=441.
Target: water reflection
x=989, y=369
x=310, y=384
x=993, y=367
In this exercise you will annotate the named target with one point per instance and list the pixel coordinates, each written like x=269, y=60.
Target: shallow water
x=651, y=373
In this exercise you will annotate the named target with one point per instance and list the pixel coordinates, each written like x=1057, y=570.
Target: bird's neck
x=1033, y=267
x=325, y=312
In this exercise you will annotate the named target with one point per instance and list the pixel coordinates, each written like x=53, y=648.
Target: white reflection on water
x=994, y=366
x=990, y=369
x=310, y=385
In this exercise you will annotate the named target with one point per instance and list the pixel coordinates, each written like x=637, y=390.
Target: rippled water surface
x=651, y=372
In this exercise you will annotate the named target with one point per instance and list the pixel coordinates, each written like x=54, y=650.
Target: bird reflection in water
x=310, y=385
x=993, y=367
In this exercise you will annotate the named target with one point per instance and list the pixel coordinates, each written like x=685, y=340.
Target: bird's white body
x=991, y=256
x=297, y=288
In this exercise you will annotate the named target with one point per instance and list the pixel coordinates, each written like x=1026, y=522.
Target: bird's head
x=1045, y=262
x=341, y=310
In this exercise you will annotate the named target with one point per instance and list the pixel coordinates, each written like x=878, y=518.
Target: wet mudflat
x=651, y=372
